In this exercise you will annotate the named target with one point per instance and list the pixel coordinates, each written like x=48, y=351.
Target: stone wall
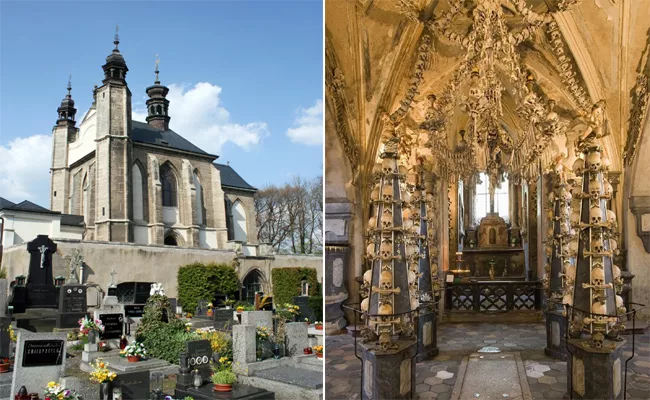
x=147, y=263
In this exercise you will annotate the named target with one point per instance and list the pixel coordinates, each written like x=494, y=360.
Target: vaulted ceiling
x=374, y=49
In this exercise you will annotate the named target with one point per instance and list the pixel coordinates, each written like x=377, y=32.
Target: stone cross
x=42, y=249
x=113, y=273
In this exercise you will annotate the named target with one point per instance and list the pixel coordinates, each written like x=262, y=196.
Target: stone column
x=389, y=375
x=244, y=344
x=338, y=216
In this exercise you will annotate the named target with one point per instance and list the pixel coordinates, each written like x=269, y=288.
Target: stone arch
x=173, y=238
x=254, y=281
x=239, y=221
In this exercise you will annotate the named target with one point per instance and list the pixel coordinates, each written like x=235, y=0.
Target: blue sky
x=245, y=79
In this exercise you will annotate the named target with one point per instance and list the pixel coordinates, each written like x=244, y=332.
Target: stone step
x=310, y=362
x=284, y=390
x=293, y=376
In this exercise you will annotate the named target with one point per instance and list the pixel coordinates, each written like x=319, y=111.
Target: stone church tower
x=142, y=182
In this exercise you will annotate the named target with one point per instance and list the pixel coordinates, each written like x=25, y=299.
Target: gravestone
x=72, y=306
x=111, y=293
x=5, y=340
x=305, y=310
x=223, y=319
x=113, y=326
x=134, y=310
x=199, y=355
x=134, y=385
x=41, y=291
x=40, y=358
x=201, y=309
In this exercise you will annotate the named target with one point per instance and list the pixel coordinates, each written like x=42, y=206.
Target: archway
x=252, y=284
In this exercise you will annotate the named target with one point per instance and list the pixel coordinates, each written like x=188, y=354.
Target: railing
x=493, y=296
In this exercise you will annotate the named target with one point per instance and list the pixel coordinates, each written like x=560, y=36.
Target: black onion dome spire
x=115, y=68
x=157, y=104
x=66, y=110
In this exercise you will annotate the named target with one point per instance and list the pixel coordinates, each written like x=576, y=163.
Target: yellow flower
x=51, y=384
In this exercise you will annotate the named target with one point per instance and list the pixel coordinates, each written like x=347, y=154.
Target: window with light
x=482, y=199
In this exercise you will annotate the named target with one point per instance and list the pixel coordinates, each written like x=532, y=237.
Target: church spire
x=66, y=110
x=115, y=68
x=158, y=105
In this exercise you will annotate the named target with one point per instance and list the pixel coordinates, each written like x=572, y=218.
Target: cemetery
x=217, y=339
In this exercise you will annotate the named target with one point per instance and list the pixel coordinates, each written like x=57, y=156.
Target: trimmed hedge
x=198, y=281
x=286, y=283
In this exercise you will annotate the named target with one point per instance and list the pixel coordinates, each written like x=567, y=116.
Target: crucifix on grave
x=40, y=262
x=112, y=287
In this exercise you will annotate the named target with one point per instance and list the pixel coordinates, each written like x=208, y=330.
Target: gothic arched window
x=229, y=221
x=169, y=188
x=484, y=201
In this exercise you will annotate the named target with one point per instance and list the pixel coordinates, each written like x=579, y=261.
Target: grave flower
x=12, y=334
x=87, y=325
x=56, y=391
x=222, y=376
x=100, y=373
x=263, y=333
x=292, y=308
x=135, y=351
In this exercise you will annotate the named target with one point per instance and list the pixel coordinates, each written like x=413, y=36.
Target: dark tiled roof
x=144, y=133
x=4, y=203
x=231, y=178
x=73, y=220
x=28, y=206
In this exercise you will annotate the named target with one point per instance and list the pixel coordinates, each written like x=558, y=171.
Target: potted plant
x=223, y=377
x=104, y=377
x=318, y=349
x=90, y=328
x=135, y=351
x=229, y=303
x=5, y=363
x=307, y=321
x=209, y=313
x=307, y=350
x=240, y=309
x=318, y=325
x=56, y=391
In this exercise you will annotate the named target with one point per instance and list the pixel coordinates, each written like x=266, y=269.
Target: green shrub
x=152, y=315
x=316, y=305
x=167, y=340
x=286, y=283
x=203, y=281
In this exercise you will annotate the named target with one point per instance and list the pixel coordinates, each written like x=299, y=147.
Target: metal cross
x=42, y=249
x=113, y=273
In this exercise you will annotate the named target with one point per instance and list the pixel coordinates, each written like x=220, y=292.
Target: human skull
x=597, y=276
x=595, y=215
x=619, y=301
x=573, y=245
x=575, y=217
x=402, y=169
x=613, y=245
x=388, y=165
x=593, y=161
x=611, y=218
x=567, y=299
x=406, y=196
x=578, y=165
x=597, y=340
x=367, y=276
x=569, y=271
x=387, y=191
x=370, y=250
x=416, y=197
x=406, y=213
x=377, y=169
x=551, y=197
x=386, y=250
x=415, y=303
x=372, y=222
x=386, y=220
x=364, y=304
x=564, y=229
x=550, y=232
x=597, y=246
x=385, y=309
x=411, y=179
x=374, y=195
x=411, y=277
x=568, y=196
x=594, y=189
x=411, y=249
x=407, y=224
x=386, y=280
x=606, y=163
x=608, y=188
x=598, y=308
x=616, y=272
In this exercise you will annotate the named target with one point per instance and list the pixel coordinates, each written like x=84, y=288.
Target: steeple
x=66, y=110
x=115, y=68
x=158, y=105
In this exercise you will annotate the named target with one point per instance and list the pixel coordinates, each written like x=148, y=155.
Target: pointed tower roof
x=115, y=68
x=66, y=110
x=157, y=104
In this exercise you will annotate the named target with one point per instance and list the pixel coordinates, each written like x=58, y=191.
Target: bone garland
x=637, y=115
x=421, y=64
x=390, y=248
x=595, y=283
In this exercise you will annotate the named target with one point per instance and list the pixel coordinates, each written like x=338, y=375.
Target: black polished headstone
x=113, y=326
x=200, y=354
x=5, y=339
x=72, y=299
x=41, y=292
x=134, y=310
x=38, y=353
x=224, y=319
x=305, y=310
x=134, y=385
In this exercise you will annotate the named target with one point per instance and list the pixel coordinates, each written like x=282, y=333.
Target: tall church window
x=169, y=187
x=239, y=221
x=85, y=198
x=137, y=192
x=486, y=202
x=229, y=222
x=200, y=209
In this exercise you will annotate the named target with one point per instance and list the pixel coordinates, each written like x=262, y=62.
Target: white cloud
x=196, y=114
x=24, y=170
x=308, y=125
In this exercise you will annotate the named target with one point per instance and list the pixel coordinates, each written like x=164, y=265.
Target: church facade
x=141, y=182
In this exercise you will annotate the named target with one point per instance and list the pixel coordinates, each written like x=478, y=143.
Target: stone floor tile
x=440, y=388
x=547, y=380
x=444, y=375
x=433, y=381
x=427, y=395
x=534, y=374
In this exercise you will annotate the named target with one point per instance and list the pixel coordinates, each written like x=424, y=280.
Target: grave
x=239, y=392
x=202, y=309
x=491, y=376
x=257, y=318
x=39, y=291
x=40, y=358
x=197, y=355
x=133, y=310
x=113, y=326
x=305, y=310
x=224, y=319
x=134, y=385
x=72, y=306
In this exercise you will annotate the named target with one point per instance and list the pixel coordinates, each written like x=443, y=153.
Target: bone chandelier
x=490, y=65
